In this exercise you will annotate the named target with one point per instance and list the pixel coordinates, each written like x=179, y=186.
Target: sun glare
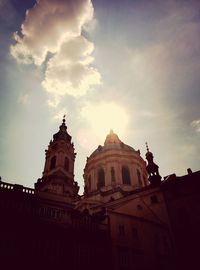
x=105, y=116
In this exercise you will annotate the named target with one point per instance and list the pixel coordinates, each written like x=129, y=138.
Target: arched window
x=112, y=174
x=66, y=164
x=53, y=163
x=126, y=176
x=139, y=178
x=101, y=179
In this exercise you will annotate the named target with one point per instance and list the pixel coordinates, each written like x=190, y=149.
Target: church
x=128, y=217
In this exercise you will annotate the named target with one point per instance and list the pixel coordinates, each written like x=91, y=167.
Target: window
x=53, y=163
x=139, y=178
x=126, y=176
x=112, y=174
x=124, y=258
x=66, y=165
x=101, y=179
x=154, y=199
x=121, y=230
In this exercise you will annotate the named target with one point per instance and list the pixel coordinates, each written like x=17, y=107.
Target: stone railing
x=6, y=185
x=15, y=187
x=28, y=190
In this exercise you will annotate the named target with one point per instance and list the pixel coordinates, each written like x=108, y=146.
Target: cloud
x=47, y=25
x=69, y=71
x=91, y=25
x=55, y=27
x=196, y=125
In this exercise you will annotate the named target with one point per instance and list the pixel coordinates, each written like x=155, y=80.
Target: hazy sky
x=131, y=65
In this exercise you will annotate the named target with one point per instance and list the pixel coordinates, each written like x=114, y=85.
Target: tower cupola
x=152, y=169
x=62, y=133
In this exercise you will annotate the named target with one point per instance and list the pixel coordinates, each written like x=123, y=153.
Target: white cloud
x=53, y=100
x=55, y=26
x=69, y=71
x=47, y=25
x=91, y=25
x=196, y=125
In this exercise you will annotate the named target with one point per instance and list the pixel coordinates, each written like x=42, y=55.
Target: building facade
x=126, y=219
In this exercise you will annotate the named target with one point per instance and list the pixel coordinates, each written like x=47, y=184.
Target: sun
x=102, y=117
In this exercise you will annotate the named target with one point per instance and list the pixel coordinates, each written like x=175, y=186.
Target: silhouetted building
x=182, y=197
x=127, y=218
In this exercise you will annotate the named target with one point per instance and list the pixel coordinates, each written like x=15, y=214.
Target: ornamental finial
x=64, y=118
x=147, y=147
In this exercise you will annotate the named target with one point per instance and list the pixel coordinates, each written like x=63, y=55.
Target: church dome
x=112, y=142
x=114, y=166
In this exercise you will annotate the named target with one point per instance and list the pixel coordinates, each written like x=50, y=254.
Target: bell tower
x=58, y=174
x=152, y=169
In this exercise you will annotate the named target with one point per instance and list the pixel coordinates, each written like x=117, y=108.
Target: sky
x=132, y=66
